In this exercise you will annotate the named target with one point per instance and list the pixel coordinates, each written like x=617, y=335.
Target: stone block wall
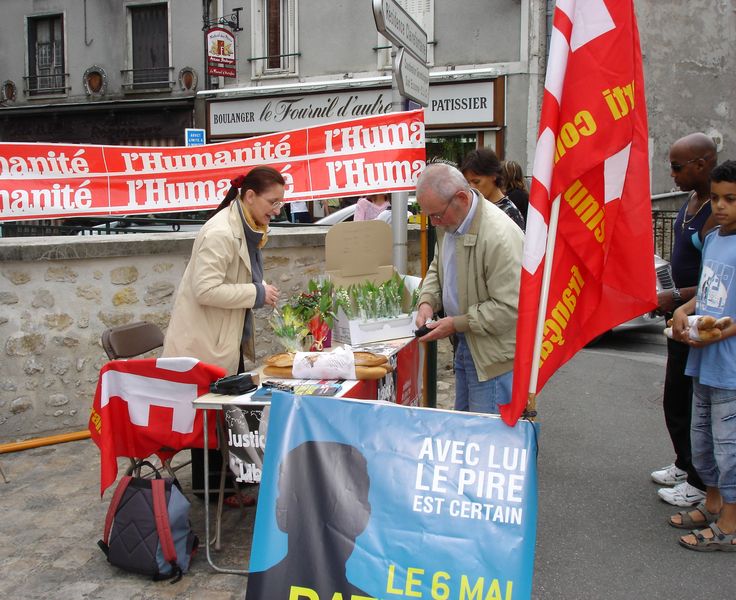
x=57, y=296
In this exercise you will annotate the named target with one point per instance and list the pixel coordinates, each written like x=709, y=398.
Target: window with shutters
x=275, y=43
x=422, y=11
x=46, y=56
x=148, y=37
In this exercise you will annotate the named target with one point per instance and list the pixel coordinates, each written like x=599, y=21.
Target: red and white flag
x=587, y=262
x=144, y=406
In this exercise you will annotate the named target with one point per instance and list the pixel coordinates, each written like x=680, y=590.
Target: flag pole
x=549, y=253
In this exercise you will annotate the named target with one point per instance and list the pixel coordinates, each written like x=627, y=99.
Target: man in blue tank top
x=691, y=160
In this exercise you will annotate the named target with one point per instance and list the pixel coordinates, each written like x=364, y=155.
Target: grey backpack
x=147, y=528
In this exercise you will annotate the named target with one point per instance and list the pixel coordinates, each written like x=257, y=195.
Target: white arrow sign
x=397, y=25
x=412, y=77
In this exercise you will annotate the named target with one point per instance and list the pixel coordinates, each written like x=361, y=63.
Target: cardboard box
x=361, y=251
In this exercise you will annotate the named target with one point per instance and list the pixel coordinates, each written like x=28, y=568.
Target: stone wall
x=58, y=294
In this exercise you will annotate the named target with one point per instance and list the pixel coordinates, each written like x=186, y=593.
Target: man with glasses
x=691, y=160
x=474, y=279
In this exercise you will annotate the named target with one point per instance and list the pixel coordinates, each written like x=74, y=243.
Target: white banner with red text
x=384, y=153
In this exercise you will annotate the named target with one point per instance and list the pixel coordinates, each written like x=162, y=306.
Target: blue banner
x=365, y=500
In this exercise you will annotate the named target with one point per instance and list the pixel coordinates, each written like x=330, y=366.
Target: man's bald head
x=698, y=145
x=692, y=158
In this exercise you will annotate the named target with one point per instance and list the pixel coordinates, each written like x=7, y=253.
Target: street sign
x=412, y=77
x=397, y=25
x=194, y=137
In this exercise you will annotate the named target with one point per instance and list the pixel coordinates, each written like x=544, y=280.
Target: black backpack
x=147, y=528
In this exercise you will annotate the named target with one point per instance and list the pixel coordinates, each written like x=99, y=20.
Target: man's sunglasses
x=677, y=167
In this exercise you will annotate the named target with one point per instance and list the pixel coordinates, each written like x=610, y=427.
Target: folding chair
x=133, y=339
x=129, y=341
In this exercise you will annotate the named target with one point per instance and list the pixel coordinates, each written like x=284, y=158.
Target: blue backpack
x=147, y=528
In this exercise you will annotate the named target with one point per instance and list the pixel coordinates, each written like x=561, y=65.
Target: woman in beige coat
x=212, y=319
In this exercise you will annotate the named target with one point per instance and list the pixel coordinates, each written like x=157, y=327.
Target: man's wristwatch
x=676, y=295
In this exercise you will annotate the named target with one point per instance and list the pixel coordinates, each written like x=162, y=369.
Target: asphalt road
x=602, y=531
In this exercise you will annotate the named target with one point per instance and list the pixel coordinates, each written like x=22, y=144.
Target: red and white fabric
x=144, y=407
x=592, y=162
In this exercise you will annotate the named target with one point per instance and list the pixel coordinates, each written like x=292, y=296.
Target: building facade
x=136, y=71
x=99, y=72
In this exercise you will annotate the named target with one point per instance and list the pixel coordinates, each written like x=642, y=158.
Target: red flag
x=591, y=167
x=144, y=407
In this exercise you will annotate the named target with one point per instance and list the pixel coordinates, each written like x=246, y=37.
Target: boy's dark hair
x=726, y=171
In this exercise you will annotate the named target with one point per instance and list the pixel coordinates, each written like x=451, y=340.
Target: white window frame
x=289, y=40
x=422, y=11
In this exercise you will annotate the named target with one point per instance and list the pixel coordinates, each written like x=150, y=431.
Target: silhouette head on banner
x=323, y=507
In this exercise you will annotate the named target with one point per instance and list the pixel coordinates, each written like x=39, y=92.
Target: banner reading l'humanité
x=375, y=154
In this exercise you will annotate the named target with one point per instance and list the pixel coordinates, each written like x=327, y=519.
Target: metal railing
x=662, y=226
x=147, y=79
x=98, y=226
x=46, y=85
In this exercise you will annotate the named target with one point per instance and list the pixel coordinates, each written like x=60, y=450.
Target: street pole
x=399, y=200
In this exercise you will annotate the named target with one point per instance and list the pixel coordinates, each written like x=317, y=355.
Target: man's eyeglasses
x=440, y=215
x=277, y=205
x=677, y=167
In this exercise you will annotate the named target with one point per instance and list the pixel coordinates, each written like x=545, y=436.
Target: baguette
x=274, y=371
x=284, y=359
x=371, y=372
x=369, y=359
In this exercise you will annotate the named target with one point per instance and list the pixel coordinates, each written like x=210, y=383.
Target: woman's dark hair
x=258, y=179
x=483, y=161
x=725, y=172
x=514, y=176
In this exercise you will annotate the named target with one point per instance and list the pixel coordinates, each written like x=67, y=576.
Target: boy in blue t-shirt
x=713, y=368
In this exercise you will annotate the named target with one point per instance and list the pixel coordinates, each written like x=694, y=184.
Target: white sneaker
x=669, y=475
x=683, y=494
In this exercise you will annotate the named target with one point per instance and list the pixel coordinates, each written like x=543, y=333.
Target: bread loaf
x=272, y=371
x=284, y=359
x=368, y=359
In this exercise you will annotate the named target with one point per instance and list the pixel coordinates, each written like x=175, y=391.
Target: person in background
x=691, y=160
x=711, y=365
x=474, y=277
x=300, y=212
x=483, y=171
x=369, y=207
x=212, y=318
x=516, y=186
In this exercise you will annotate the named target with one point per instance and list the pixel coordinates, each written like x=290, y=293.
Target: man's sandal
x=719, y=541
x=687, y=522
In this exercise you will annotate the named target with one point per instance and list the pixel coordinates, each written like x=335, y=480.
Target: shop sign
x=453, y=104
x=263, y=115
x=220, y=52
x=461, y=104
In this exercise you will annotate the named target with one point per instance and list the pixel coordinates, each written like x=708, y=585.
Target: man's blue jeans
x=474, y=395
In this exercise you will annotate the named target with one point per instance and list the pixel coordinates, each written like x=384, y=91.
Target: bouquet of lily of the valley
x=369, y=301
x=289, y=328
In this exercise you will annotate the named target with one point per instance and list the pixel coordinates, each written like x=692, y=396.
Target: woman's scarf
x=262, y=229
